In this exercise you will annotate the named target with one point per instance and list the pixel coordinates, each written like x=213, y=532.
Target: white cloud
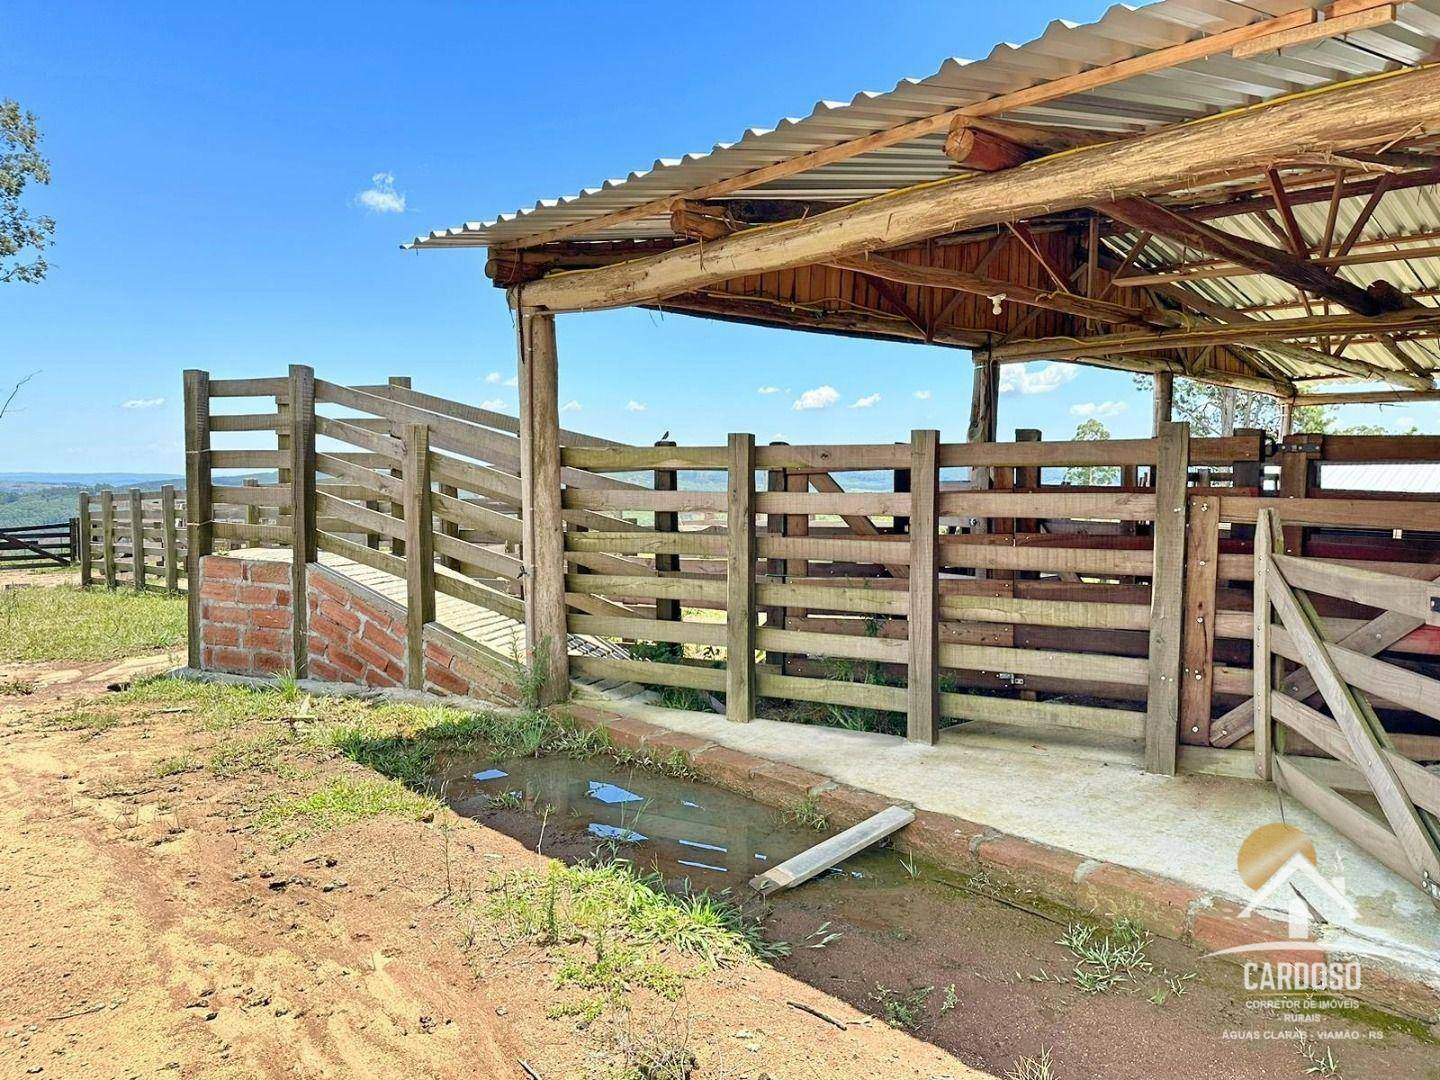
x=923, y=395
x=570, y=406
x=1098, y=408
x=822, y=397
x=866, y=401
x=1034, y=379
x=496, y=379
x=381, y=197
x=493, y=404
x=635, y=406
x=771, y=390
x=143, y=403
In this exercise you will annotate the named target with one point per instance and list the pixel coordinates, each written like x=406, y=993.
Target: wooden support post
x=252, y=510
x=1197, y=649
x=1297, y=475
x=451, y=528
x=199, y=509
x=107, y=537
x=795, y=525
x=1287, y=418
x=1261, y=662
x=86, y=528
x=543, y=536
x=168, y=539
x=397, y=510
x=984, y=401
x=1164, y=400
x=419, y=551
x=302, y=510
x=1167, y=605
x=740, y=580
x=923, y=678
x=137, y=540
x=667, y=521
x=775, y=480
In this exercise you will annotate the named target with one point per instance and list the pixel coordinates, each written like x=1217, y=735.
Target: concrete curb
x=1167, y=908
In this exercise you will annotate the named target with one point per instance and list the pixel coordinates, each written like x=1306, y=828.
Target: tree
x=1198, y=404
x=1092, y=475
x=10, y=400
x=21, y=233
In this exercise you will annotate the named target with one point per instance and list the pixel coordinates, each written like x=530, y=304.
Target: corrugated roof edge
x=826, y=109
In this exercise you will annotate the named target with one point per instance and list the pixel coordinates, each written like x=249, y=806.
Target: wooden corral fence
x=1343, y=674
x=28, y=546
x=133, y=538
x=404, y=482
x=1101, y=587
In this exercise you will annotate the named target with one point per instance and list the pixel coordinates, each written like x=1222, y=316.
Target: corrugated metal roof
x=1417, y=477
x=1176, y=94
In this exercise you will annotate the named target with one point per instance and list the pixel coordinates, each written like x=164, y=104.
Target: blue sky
x=210, y=164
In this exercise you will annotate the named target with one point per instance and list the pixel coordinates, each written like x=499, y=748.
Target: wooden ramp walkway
x=490, y=629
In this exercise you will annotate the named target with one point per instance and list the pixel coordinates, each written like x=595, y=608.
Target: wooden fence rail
x=1095, y=587
x=136, y=542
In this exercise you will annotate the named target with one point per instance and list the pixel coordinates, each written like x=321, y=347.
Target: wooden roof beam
x=1358, y=113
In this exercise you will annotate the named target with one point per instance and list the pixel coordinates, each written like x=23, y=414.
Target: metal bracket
x=1430, y=885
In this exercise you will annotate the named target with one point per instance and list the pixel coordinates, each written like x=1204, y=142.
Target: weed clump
x=620, y=930
x=343, y=802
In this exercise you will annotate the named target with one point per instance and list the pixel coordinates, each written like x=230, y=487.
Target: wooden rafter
x=1196, y=336
x=1295, y=270
x=1288, y=350
x=935, y=277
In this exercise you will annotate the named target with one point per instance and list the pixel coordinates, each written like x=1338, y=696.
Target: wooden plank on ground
x=836, y=849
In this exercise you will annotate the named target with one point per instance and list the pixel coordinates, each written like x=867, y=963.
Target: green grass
x=70, y=623
x=806, y=814
x=343, y=802
x=619, y=930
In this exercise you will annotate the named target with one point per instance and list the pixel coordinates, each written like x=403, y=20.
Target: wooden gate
x=37, y=545
x=1349, y=679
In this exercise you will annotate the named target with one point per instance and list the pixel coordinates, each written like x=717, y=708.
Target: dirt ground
x=146, y=928
x=149, y=925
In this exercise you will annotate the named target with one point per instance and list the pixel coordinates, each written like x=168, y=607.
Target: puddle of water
x=677, y=828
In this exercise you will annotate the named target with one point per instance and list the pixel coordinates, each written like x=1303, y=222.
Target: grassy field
x=68, y=623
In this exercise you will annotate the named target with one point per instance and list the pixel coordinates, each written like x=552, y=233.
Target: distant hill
x=40, y=498
x=115, y=479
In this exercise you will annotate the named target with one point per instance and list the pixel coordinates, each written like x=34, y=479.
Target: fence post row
x=137, y=540
x=107, y=536
x=740, y=580
x=1162, y=712
x=923, y=677
x=666, y=521
x=543, y=535
x=167, y=526
x=199, y=514
x=419, y=551
x=84, y=539
x=302, y=509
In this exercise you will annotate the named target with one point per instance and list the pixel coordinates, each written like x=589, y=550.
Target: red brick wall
x=356, y=635
x=351, y=639
x=244, y=616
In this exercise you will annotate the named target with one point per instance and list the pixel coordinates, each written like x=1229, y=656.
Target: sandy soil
x=147, y=929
